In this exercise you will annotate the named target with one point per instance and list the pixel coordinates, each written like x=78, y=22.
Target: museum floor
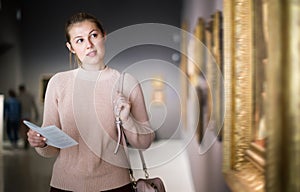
x=25, y=171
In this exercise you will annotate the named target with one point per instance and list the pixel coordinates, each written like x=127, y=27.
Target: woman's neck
x=93, y=67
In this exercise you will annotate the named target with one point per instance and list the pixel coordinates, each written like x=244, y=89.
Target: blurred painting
x=260, y=61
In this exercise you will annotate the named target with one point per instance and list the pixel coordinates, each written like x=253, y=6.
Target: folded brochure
x=54, y=135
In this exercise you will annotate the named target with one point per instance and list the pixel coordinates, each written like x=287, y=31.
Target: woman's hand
x=121, y=107
x=35, y=139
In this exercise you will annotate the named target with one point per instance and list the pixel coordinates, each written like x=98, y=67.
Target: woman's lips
x=91, y=53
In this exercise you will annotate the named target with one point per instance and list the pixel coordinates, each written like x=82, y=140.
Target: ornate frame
x=241, y=157
x=240, y=173
x=217, y=51
x=199, y=58
x=205, y=51
x=283, y=109
x=183, y=69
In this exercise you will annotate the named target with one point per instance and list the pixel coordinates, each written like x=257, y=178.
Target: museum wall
x=10, y=45
x=206, y=168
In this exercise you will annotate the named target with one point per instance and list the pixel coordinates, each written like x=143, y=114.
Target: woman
x=84, y=103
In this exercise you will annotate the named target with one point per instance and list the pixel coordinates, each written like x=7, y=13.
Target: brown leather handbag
x=146, y=184
x=150, y=185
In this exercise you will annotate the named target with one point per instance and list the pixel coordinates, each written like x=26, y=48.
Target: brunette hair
x=77, y=18
x=80, y=17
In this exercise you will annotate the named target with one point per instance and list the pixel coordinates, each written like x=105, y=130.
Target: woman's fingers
x=121, y=107
x=35, y=139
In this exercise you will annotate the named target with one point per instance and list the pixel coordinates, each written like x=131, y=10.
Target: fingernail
x=44, y=139
x=38, y=135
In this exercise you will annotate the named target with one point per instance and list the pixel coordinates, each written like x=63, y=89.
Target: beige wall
x=206, y=168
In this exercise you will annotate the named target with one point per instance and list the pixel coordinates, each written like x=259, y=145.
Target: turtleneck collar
x=89, y=75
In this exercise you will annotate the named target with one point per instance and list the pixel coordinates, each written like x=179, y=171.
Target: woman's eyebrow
x=80, y=36
x=93, y=31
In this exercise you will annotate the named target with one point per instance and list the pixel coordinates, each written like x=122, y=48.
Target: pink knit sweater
x=81, y=103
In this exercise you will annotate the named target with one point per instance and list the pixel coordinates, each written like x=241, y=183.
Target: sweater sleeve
x=51, y=116
x=137, y=128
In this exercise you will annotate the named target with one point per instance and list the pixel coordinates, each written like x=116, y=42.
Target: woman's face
x=87, y=42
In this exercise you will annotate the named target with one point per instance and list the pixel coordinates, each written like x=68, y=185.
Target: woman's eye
x=79, y=40
x=94, y=35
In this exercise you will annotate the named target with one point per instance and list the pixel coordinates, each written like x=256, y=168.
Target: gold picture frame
x=183, y=76
x=217, y=52
x=275, y=167
x=283, y=90
x=240, y=173
x=198, y=77
x=205, y=69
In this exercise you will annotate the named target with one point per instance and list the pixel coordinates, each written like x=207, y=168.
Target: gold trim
x=228, y=84
x=243, y=80
x=217, y=53
x=283, y=108
x=245, y=167
x=256, y=154
x=292, y=95
x=248, y=179
x=183, y=68
x=238, y=99
x=199, y=59
x=274, y=120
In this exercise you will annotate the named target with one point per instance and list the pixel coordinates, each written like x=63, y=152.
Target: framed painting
x=213, y=74
x=198, y=78
x=256, y=151
x=183, y=76
x=283, y=97
x=261, y=70
x=209, y=73
x=43, y=85
x=238, y=77
x=217, y=52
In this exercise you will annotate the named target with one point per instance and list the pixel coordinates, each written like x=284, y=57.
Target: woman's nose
x=89, y=43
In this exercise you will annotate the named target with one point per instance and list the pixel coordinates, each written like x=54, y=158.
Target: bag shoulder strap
x=118, y=120
x=128, y=157
x=120, y=90
x=121, y=82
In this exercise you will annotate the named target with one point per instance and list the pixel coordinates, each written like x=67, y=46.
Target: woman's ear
x=70, y=47
x=104, y=36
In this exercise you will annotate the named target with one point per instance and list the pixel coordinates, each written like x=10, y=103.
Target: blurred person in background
x=12, y=114
x=29, y=112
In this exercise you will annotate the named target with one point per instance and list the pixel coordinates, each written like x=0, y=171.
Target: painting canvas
x=43, y=85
